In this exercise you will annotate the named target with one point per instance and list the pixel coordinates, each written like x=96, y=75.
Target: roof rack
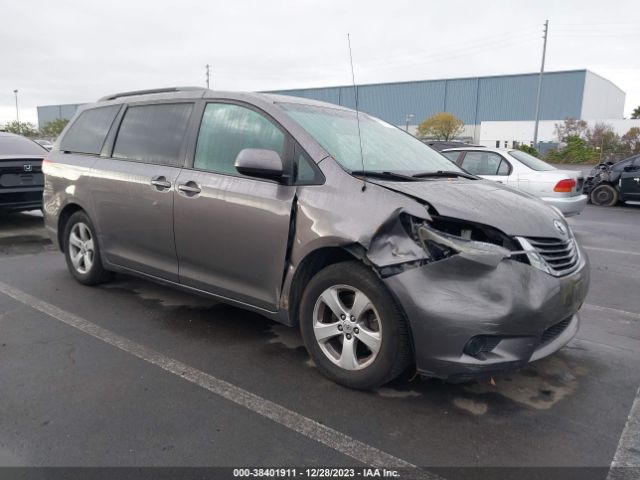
x=150, y=92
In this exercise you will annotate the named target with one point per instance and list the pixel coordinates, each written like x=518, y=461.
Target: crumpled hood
x=483, y=201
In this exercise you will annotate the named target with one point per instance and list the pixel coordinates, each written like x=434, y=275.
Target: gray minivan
x=384, y=253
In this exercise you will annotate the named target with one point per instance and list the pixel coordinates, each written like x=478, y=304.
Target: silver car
x=383, y=252
x=518, y=169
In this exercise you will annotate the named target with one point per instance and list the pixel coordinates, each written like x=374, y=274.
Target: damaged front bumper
x=514, y=313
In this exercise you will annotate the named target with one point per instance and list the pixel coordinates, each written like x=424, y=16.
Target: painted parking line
x=623, y=313
x=308, y=427
x=626, y=461
x=611, y=250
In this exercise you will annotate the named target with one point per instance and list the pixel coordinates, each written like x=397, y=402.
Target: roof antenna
x=355, y=91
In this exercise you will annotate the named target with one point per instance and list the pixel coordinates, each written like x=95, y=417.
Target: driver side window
x=227, y=129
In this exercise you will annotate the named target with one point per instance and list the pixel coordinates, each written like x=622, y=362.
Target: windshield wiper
x=445, y=173
x=387, y=175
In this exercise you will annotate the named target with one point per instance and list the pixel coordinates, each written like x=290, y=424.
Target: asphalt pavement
x=135, y=374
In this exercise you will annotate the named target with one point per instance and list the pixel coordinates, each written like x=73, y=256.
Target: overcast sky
x=77, y=51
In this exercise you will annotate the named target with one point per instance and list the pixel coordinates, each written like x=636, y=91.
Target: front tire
x=604, y=195
x=82, y=252
x=352, y=327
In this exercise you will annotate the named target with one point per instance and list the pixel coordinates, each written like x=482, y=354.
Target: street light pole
x=17, y=111
x=207, y=65
x=539, y=96
x=407, y=119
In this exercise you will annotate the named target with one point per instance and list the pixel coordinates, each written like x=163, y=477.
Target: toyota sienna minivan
x=383, y=252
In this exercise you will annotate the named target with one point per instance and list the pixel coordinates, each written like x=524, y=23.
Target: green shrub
x=576, y=151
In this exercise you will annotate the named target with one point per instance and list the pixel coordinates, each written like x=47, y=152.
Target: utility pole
x=207, y=65
x=544, y=53
x=408, y=119
x=17, y=111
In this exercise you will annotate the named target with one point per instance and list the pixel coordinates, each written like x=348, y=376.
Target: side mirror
x=260, y=163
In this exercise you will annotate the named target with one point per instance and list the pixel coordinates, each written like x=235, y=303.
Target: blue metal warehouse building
x=573, y=93
x=566, y=94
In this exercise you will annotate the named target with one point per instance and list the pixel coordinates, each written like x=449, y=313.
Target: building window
x=497, y=143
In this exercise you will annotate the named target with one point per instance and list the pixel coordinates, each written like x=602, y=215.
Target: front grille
x=554, y=330
x=561, y=255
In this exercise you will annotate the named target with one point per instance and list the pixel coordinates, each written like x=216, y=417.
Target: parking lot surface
x=134, y=374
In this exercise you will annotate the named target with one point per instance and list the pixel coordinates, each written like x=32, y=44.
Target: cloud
x=74, y=51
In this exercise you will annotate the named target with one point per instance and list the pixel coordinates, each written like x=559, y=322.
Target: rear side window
x=226, y=130
x=153, y=133
x=453, y=156
x=88, y=132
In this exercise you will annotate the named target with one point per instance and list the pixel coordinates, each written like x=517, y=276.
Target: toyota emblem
x=560, y=227
x=27, y=167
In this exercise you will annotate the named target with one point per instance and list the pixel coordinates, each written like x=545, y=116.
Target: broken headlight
x=443, y=238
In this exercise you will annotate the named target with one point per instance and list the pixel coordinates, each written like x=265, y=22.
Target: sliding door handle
x=189, y=189
x=160, y=183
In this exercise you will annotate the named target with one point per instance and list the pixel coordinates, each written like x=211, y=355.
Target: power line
x=468, y=46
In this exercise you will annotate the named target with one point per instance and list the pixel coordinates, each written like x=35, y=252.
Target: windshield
x=16, y=145
x=384, y=147
x=530, y=161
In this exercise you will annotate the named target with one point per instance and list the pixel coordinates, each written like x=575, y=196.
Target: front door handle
x=189, y=189
x=161, y=183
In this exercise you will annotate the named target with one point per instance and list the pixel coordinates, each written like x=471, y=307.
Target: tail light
x=565, y=185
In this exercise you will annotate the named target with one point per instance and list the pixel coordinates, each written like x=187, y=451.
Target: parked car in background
x=262, y=201
x=21, y=180
x=518, y=169
x=444, y=144
x=43, y=142
x=609, y=183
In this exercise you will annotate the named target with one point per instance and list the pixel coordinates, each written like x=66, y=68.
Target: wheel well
x=64, y=217
x=310, y=265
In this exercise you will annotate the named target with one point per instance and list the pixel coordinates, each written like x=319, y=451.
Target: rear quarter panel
x=66, y=181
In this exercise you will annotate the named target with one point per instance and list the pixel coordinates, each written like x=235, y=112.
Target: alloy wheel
x=81, y=248
x=347, y=327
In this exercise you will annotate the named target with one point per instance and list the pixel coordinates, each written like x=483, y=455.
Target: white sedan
x=560, y=188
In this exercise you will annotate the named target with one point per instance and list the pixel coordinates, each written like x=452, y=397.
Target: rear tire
x=82, y=252
x=370, y=345
x=604, y=195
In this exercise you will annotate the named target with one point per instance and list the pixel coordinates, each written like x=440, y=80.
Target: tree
x=636, y=113
x=54, y=127
x=570, y=127
x=441, y=126
x=631, y=140
x=21, y=128
x=602, y=135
